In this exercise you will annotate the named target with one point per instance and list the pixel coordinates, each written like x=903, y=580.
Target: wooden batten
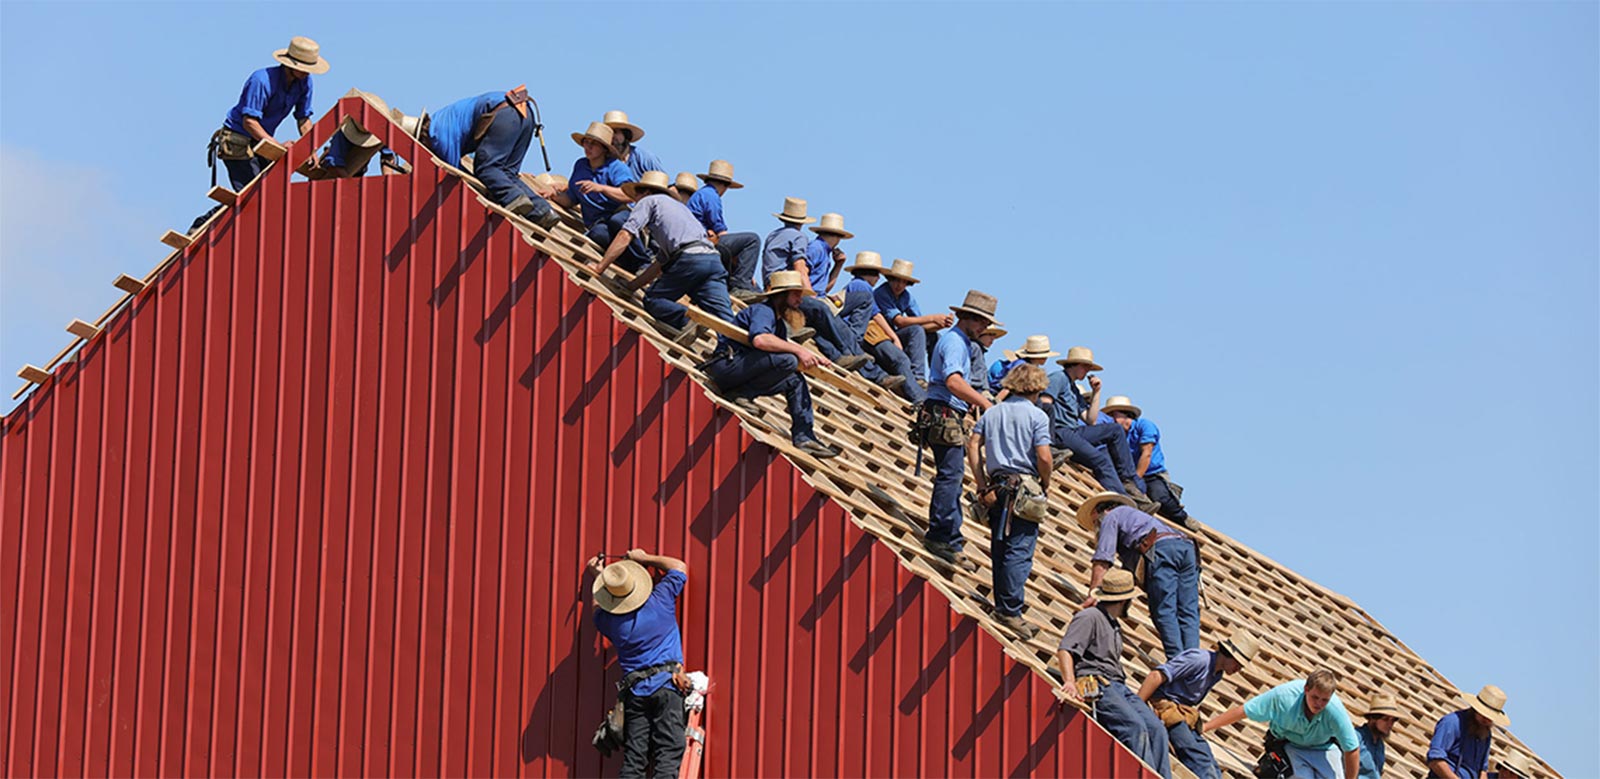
x=129, y=284
x=176, y=239
x=33, y=374
x=271, y=150
x=82, y=329
x=223, y=195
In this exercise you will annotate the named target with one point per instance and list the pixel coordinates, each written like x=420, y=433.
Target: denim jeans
x=1084, y=452
x=915, y=340
x=240, y=174
x=636, y=256
x=498, y=158
x=944, y=509
x=834, y=338
x=1172, y=584
x=1010, y=558
x=896, y=362
x=1193, y=751
x=702, y=278
x=741, y=255
x=748, y=373
x=652, y=726
x=1156, y=486
x=1312, y=763
x=1132, y=722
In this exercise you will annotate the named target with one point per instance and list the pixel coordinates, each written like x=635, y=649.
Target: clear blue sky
x=1344, y=254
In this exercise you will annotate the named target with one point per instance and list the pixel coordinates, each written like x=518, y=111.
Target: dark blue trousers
x=1193, y=751
x=1160, y=491
x=702, y=278
x=747, y=372
x=1132, y=722
x=498, y=158
x=1010, y=558
x=915, y=340
x=636, y=256
x=893, y=360
x=741, y=255
x=834, y=337
x=1111, y=466
x=1172, y=586
x=944, y=510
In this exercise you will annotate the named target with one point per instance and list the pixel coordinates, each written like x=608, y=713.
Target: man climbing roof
x=496, y=129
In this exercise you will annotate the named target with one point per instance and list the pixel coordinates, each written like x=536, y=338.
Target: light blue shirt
x=1066, y=409
x=1121, y=530
x=1373, y=753
x=640, y=161
x=952, y=355
x=670, y=224
x=819, y=260
x=785, y=246
x=891, y=305
x=268, y=96
x=597, y=207
x=706, y=205
x=1011, y=430
x=1283, y=708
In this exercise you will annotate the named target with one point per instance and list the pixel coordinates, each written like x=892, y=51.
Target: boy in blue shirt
x=595, y=188
x=1374, y=734
x=859, y=312
x=741, y=252
x=1144, y=446
x=1305, y=720
x=623, y=135
x=917, y=331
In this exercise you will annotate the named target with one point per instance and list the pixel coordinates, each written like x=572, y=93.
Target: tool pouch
x=875, y=333
x=1274, y=762
x=608, y=737
x=231, y=145
x=1088, y=687
x=1173, y=713
x=1028, y=501
x=941, y=426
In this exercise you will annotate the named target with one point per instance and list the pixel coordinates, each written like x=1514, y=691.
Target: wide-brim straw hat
x=901, y=269
x=1086, y=518
x=1519, y=764
x=785, y=281
x=832, y=223
x=622, y=587
x=1123, y=404
x=303, y=55
x=794, y=211
x=651, y=181
x=979, y=304
x=1035, y=347
x=600, y=132
x=1384, y=705
x=1080, y=355
x=867, y=261
x=1241, y=646
x=1490, y=702
x=721, y=170
x=618, y=120
x=1117, y=585
x=993, y=331
x=1008, y=354
x=686, y=182
x=353, y=133
x=414, y=126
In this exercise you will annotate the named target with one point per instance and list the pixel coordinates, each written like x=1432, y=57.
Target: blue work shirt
x=671, y=225
x=450, y=128
x=998, y=371
x=1121, y=530
x=640, y=161
x=951, y=355
x=268, y=96
x=756, y=318
x=1189, y=676
x=647, y=635
x=859, y=307
x=1453, y=743
x=891, y=305
x=784, y=247
x=819, y=261
x=1067, y=404
x=1011, y=430
x=1373, y=753
x=597, y=207
x=1283, y=708
x=979, y=376
x=706, y=205
x=1142, y=432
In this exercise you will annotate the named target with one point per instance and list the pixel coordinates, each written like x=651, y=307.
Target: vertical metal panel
x=317, y=502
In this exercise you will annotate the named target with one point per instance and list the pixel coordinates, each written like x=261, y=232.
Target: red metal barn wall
x=318, y=502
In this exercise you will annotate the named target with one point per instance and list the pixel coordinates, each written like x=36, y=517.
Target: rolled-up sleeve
x=1445, y=735
x=253, y=100
x=1105, y=545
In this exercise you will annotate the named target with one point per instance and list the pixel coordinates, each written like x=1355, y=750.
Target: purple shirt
x=1121, y=530
x=1189, y=676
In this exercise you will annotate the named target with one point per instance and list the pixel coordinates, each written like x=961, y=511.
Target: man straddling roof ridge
x=1077, y=427
x=1009, y=454
x=623, y=136
x=1463, y=738
x=786, y=250
x=741, y=252
x=1144, y=446
x=859, y=312
x=1171, y=565
x=595, y=187
x=1090, y=656
x=1175, y=689
x=690, y=265
x=1382, y=714
x=495, y=128
x=940, y=423
x=640, y=619
x=268, y=96
x=770, y=364
x=915, y=329
x=1304, y=719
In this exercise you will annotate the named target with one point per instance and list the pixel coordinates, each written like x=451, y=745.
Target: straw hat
x=1241, y=646
x=722, y=170
x=901, y=270
x=547, y=181
x=1086, y=517
x=303, y=55
x=1117, y=585
x=353, y=133
x=1008, y=354
x=794, y=211
x=784, y=281
x=979, y=304
x=1490, y=702
x=1384, y=705
x=994, y=331
x=832, y=223
x=1121, y=403
x=1035, y=347
x=686, y=183
x=651, y=181
x=622, y=587
x=414, y=126
x=1518, y=763
x=868, y=261
x=597, y=131
x=618, y=120
x=1080, y=354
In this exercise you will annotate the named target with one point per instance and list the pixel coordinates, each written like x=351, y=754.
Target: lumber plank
x=176, y=239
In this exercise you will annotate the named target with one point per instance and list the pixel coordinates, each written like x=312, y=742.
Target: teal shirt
x=1283, y=709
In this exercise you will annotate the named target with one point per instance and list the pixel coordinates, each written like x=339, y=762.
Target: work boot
x=1024, y=629
x=801, y=334
x=851, y=362
x=1192, y=524
x=1059, y=457
x=816, y=448
x=1141, y=501
x=684, y=337
x=950, y=555
x=892, y=383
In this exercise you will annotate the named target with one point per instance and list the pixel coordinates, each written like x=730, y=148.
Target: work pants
x=834, y=338
x=1172, y=585
x=741, y=255
x=498, y=158
x=240, y=174
x=915, y=340
x=893, y=360
x=702, y=278
x=1111, y=467
x=1010, y=558
x=748, y=373
x=1312, y=762
x=1193, y=751
x=944, y=510
x=652, y=727
x=636, y=256
x=1132, y=722
x=1159, y=490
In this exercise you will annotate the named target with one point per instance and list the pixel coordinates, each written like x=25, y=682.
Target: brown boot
x=1024, y=629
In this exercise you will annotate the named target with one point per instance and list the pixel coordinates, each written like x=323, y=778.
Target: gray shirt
x=1095, y=641
x=672, y=226
x=1011, y=429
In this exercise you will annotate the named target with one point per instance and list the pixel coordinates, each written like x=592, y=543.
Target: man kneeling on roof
x=1382, y=715
x=786, y=250
x=640, y=619
x=1175, y=689
x=859, y=312
x=691, y=266
x=1144, y=446
x=1168, y=558
x=1463, y=738
x=1078, y=428
x=741, y=252
x=941, y=424
x=771, y=364
x=1305, y=719
x=495, y=128
x=917, y=331
x=1009, y=454
x=595, y=187
x=1091, y=671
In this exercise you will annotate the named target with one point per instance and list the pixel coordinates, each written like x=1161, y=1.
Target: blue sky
x=1345, y=254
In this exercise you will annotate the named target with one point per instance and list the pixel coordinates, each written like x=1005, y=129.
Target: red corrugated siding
x=318, y=503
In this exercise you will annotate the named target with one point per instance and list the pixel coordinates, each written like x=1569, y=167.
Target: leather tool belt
x=1172, y=713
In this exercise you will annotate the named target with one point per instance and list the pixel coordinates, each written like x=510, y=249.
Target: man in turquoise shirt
x=1304, y=718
